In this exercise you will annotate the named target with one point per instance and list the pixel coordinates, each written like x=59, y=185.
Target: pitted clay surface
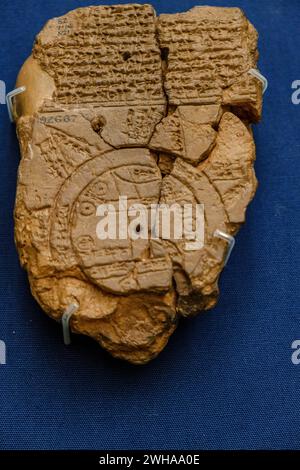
x=119, y=102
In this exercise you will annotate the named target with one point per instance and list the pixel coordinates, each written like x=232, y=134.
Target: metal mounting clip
x=9, y=98
x=65, y=321
x=229, y=239
x=260, y=77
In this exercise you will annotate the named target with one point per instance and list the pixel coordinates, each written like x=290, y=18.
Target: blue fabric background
x=226, y=380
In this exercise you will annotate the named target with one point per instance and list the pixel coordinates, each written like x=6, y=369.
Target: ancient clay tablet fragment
x=120, y=104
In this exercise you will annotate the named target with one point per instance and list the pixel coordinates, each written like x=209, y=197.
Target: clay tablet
x=126, y=112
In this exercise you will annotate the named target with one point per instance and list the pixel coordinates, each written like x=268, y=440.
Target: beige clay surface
x=119, y=102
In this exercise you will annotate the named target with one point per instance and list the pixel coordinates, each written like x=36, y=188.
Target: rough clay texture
x=120, y=102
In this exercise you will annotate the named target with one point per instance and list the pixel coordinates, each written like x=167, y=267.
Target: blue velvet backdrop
x=226, y=380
